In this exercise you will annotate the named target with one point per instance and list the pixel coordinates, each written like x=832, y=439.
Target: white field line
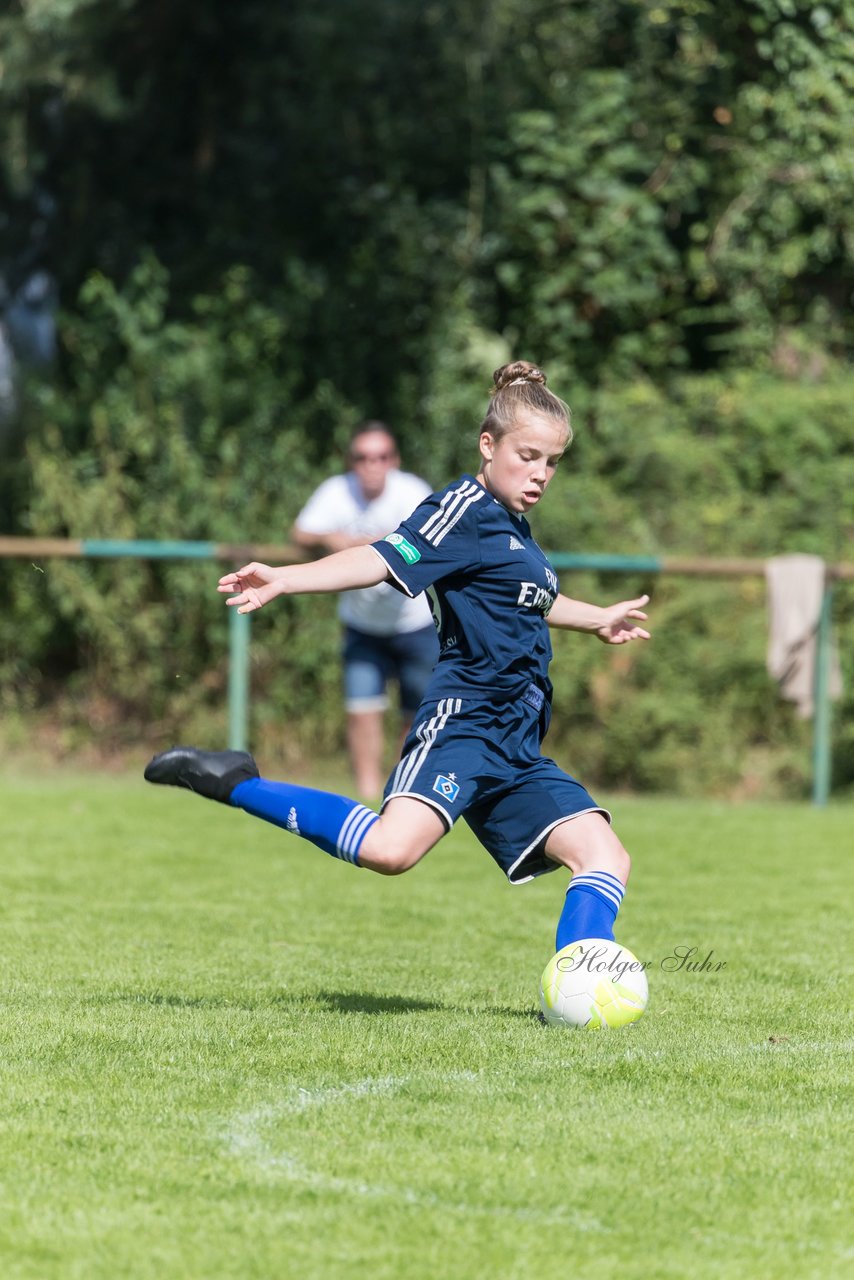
x=246, y=1138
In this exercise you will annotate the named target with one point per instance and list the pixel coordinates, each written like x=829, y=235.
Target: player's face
x=518, y=468
x=372, y=456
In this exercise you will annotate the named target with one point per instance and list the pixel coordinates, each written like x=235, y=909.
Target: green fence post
x=821, y=750
x=238, y=680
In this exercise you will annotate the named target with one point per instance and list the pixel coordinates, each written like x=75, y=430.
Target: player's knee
x=608, y=855
x=389, y=853
x=613, y=859
x=401, y=837
x=625, y=865
x=391, y=858
x=589, y=844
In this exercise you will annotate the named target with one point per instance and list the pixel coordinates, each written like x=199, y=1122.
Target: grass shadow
x=337, y=1001
x=362, y=1002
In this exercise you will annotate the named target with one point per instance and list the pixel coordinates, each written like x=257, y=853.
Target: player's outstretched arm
x=255, y=585
x=614, y=624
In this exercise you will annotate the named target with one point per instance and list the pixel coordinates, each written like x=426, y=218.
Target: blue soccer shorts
x=482, y=762
x=371, y=661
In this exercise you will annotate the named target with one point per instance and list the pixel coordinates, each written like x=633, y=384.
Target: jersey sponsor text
x=532, y=596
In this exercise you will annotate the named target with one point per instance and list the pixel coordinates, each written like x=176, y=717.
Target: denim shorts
x=481, y=761
x=371, y=661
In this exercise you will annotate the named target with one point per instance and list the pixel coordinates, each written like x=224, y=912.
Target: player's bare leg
x=365, y=745
x=600, y=870
x=404, y=832
x=588, y=843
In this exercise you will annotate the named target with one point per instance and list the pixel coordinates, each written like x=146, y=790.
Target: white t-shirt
x=339, y=506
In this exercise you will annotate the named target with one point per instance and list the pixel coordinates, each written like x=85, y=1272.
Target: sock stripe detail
x=603, y=877
x=355, y=827
x=602, y=883
x=613, y=889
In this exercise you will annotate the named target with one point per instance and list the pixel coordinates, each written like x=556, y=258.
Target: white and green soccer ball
x=593, y=983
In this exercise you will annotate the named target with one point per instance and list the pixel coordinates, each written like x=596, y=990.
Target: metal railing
x=239, y=624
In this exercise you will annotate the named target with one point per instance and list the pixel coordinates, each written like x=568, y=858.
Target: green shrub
x=203, y=430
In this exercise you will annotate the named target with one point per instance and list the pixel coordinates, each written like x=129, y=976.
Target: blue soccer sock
x=592, y=902
x=334, y=823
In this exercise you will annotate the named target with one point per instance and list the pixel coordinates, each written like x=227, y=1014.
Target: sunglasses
x=372, y=457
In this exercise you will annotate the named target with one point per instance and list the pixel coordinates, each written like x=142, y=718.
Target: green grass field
x=226, y=1055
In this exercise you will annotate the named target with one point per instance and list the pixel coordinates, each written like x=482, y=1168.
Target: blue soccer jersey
x=490, y=587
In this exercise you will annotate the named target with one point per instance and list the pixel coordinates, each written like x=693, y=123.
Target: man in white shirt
x=386, y=634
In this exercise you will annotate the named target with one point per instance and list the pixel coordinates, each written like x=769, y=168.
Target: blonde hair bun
x=518, y=371
x=520, y=387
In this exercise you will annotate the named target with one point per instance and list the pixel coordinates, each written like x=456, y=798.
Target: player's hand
x=249, y=588
x=619, y=624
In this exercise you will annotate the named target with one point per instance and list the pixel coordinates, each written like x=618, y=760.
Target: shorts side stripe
x=411, y=764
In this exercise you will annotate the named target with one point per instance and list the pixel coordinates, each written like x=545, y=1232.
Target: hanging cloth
x=795, y=593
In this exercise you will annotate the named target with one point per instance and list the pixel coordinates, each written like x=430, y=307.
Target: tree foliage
x=623, y=185
x=268, y=222
x=189, y=435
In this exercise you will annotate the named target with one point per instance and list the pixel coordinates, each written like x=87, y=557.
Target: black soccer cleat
x=213, y=774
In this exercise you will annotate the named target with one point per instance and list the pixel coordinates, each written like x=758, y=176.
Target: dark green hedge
x=195, y=430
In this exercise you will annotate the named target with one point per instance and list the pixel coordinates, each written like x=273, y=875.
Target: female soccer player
x=474, y=747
